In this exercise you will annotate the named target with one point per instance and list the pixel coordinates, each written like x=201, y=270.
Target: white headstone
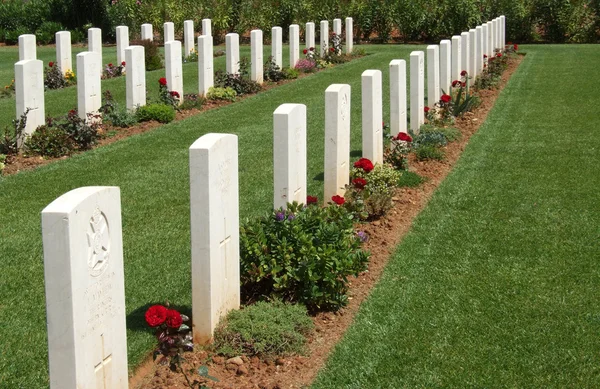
x=85, y=289
x=294, y=45
x=324, y=37
x=490, y=39
x=372, y=116
x=310, y=35
x=63, y=51
x=147, y=33
x=398, y=99
x=188, y=37
x=494, y=38
x=337, y=27
x=214, y=209
x=456, y=57
x=122, y=42
x=479, y=50
x=472, y=53
x=433, y=75
x=29, y=93
x=503, y=29
x=256, y=56
x=445, y=65
x=174, y=68
x=169, y=32
x=337, y=140
x=276, y=46
x=349, y=35
x=27, y=49
x=465, y=54
x=206, y=77
x=135, y=78
x=206, y=27
x=89, y=93
x=485, y=47
x=417, y=90
x=95, y=43
x=289, y=155
x=232, y=59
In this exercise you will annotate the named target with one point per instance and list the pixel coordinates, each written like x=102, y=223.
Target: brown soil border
x=385, y=234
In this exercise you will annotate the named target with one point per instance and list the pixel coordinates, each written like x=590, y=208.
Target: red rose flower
x=364, y=164
x=50, y=64
x=463, y=73
x=455, y=83
x=426, y=109
x=331, y=49
x=110, y=65
x=359, y=183
x=516, y=47
x=463, y=84
x=446, y=98
x=403, y=136
x=162, y=81
x=311, y=200
x=123, y=63
x=485, y=56
x=499, y=55
x=339, y=200
x=312, y=49
x=173, y=319
x=305, y=51
x=156, y=315
x=174, y=93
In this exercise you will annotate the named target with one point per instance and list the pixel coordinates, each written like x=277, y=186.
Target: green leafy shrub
x=217, y=93
x=160, y=112
x=265, y=329
x=46, y=32
x=11, y=37
x=433, y=138
x=397, y=149
x=273, y=72
x=50, y=141
x=53, y=77
x=464, y=101
x=428, y=152
x=371, y=188
x=115, y=114
x=152, y=57
x=13, y=135
x=240, y=82
x=2, y=162
x=302, y=254
x=191, y=101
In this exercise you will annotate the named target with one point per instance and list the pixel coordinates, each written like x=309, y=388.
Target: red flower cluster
x=359, y=183
x=516, y=47
x=174, y=319
x=311, y=200
x=484, y=56
x=499, y=55
x=50, y=64
x=364, y=164
x=312, y=49
x=305, y=51
x=426, y=109
x=156, y=315
x=403, y=136
x=463, y=73
x=331, y=49
x=446, y=98
x=110, y=65
x=339, y=200
x=162, y=81
x=455, y=83
x=123, y=63
x=174, y=93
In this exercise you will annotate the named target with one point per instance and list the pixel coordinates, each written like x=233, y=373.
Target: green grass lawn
x=497, y=285
x=152, y=171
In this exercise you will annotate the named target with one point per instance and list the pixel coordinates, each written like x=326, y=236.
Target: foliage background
x=406, y=20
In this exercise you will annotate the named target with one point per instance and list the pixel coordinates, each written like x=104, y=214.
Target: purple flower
x=279, y=216
x=291, y=217
x=362, y=236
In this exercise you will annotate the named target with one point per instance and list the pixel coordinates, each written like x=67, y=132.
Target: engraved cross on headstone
x=33, y=84
x=103, y=369
x=224, y=246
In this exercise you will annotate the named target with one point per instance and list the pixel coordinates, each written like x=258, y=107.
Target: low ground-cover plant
x=265, y=329
x=8, y=90
x=115, y=114
x=303, y=254
x=272, y=71
x=369, y=194
x=450, y=133
x=216, y=93
x=410, y=179
x=13, y=135
x=493, y=68
x=427, y=152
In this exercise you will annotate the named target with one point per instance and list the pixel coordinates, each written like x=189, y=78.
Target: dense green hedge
x=429, y=20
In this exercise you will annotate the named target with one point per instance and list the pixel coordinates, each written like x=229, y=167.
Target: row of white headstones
x=82, y=229
x=29, y=75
